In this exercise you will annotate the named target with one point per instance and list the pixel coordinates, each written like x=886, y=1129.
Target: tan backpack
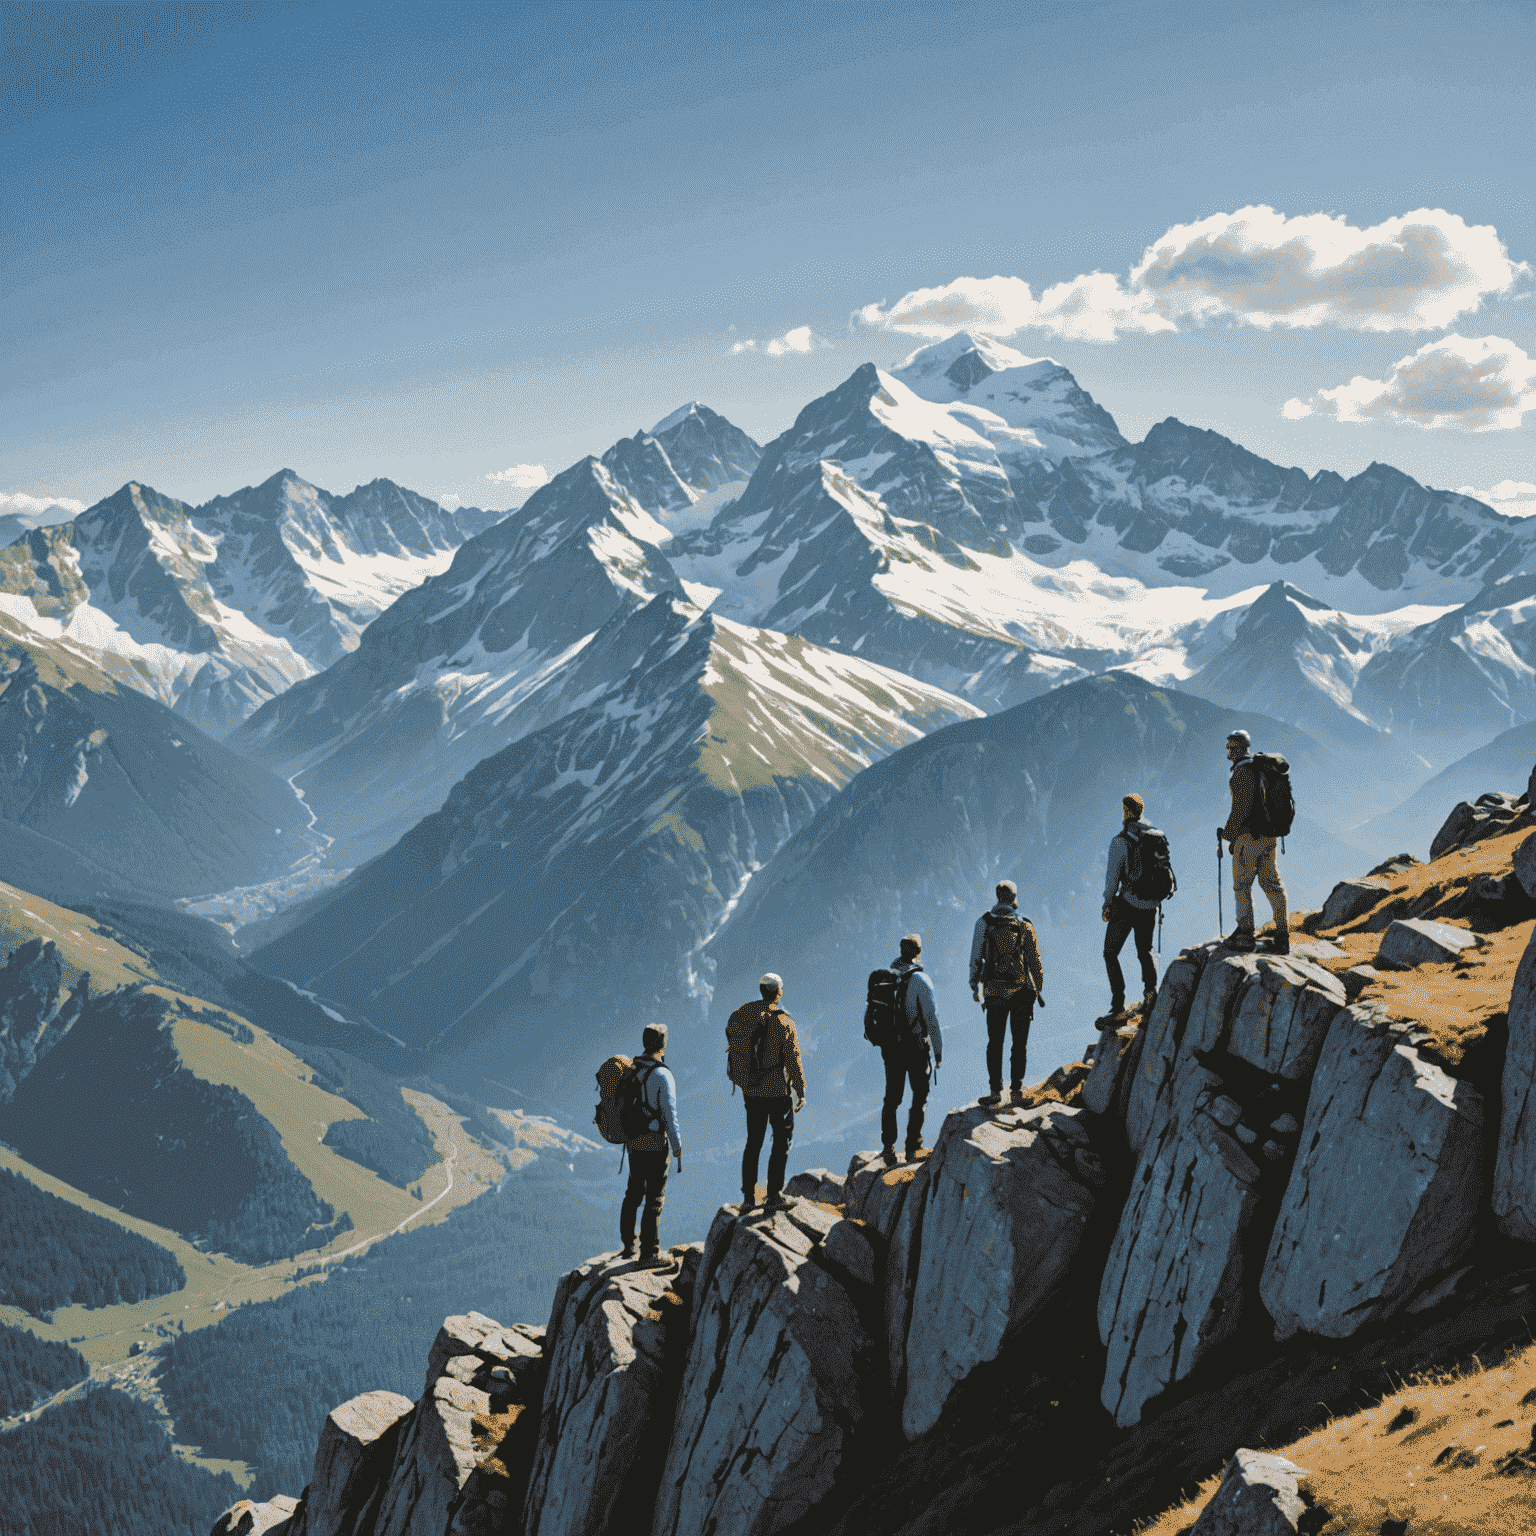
x=609, y=1076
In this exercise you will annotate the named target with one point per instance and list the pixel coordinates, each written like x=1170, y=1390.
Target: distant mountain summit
x=223, y=606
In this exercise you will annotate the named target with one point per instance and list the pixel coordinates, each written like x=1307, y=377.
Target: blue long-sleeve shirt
x=922, y=1004
x=658, y=1092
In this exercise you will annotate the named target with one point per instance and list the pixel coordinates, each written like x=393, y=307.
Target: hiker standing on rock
x=655, y=1093
x=1006, y=972
x=763, y=1060
x=1253, y=848
x=1134, y=887
x=902, y=1018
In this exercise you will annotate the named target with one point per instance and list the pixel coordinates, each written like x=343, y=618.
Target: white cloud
x=1482, y=384
x=1258, y=266
x=1514, y=498
x=20, y=501
x=452, y=501
x=521, y=477
x=800, y=339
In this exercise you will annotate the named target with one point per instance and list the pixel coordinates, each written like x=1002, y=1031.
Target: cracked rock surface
x=1008, y=1196
x=1411, y=941
x=1283, y=1016
x=352, y=1465
x=1384, y=1194
x=434, y=1461
x=776, y=1380
x=1176, y=1028
x=1514, y=1174
x=274, y=1518
x=607, y=1382
x=1259, y=1495
x=1114, y=1061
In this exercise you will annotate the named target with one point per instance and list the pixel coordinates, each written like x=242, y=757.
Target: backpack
x=758, y=1060
x=609, y=1076
x=885, y=1007
x=1277, y=807
x=1149, y=866
x=1002, y=955
x=751, y=1055
x=636, y=1117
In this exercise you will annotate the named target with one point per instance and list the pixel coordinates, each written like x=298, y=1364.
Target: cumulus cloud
x=800, y=339
x=1480, y=384
x=1514, y=498
x=20, y=501
x=451, y=501
x=1256, y=266
x=521, y=477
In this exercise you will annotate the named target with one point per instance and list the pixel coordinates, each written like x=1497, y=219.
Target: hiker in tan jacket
x=763, y=1060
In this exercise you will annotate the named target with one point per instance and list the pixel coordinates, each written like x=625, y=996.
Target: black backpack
x=885, y=1007
x=636, y=1118
x=1277, y=807
x=758, y=1061
x=1149, y=865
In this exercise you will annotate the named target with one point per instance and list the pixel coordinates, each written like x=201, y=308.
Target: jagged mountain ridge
x=585, y=866
x=220, y=607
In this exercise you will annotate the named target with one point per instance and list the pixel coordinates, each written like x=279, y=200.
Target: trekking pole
x=1220, y=921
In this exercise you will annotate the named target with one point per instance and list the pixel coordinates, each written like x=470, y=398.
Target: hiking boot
x=1241, y=941
x=627, y=1252
x=1117, y=1012
x=748, y=1200
x=991, y=1100
x=1016, y=1095
x=912, y=1152
x=1148, y=1000
x=655, y=1261
x=778, y=1201
x=888, y=1156
x=1280, y=944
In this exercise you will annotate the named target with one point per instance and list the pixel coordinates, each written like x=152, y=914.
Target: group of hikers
x=901, y=1015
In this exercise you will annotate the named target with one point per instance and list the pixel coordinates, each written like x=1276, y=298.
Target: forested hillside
x=53, y=1253
x=32, y=1368
x=371, y=1323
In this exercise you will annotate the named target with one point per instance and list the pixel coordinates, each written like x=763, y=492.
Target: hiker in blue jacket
x=1126, y=912
x=648, y=1151
x=908, y=1059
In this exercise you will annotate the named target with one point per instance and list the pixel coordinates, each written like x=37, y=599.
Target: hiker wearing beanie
x=1006, y=977
x=657, y=1093
x=1253, y=851
x=907, y=1055
x=1126, y=911
x=763, y=1060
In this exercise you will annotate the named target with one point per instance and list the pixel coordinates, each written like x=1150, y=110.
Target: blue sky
x=436, y=242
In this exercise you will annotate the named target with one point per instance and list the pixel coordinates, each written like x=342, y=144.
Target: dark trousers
x=647, y=1183
x=903, y=1064
x=1124, y=920
x=1002, y=1012
x=761, y=1113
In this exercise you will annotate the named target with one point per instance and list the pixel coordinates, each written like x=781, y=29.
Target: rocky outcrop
x=1514, y=1171
x=1260, y=1495
x=35, y=1011
x=1418, y=941
x=1525, y=865
x=1165, y=1047
x=1471, y=822
x=274, y=1518
x=609, y=1392
x=1008, y=1198
x=777, y=1380
x=1282, y=1018
x=1114, y=1061
x=352, y=1466
x=1350, y=899
x=816, y=1184
x=1383, y=1199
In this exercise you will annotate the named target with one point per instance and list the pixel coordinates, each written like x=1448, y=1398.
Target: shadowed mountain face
x=574, y=877
x=220, y=607
x=137, y=797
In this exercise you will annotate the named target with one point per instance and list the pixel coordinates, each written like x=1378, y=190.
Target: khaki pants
x=1254, y=857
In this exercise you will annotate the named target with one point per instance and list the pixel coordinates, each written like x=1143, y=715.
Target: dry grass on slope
x=1448, y=1456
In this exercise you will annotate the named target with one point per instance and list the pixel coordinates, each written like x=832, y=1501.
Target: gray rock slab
x=847, y=1247
x=1357, y=978
x=1166, y=1045
x=900, y=1275
x=1514, y=1170
x=864, y=1169
x=1282, y=1016
x=1101, y=1092
x=1260, y=1495
x=1350, y=899
x=1414, y=941
x=1386, y=1187
x=1173, y=1285
x=1525, y=865
x=816, y=1184
x=273, y=1518
x=358, y=1443
x=607, y=1383
x=1007, y=1200
x=519, y=1348
x=435, y=1459
x=774, y=1385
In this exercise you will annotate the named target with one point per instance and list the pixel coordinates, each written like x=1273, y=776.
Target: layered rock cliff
x=1290, y=1168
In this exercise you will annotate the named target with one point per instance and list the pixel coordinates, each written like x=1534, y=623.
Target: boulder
x=608, y=1386
x=433, y=1463
x=847, y=1248
x=864, y=1170
x=775, y=1384
x=1414, y=941
x=1470, y=823
x=1514, y=1172
x=1259, y=1496
x=1350, y=899
x=900, y=1274
x=1165, y=1051
x=1008, y=1197
x=816, y=1184
x=1525, y=865
x=519, y=1348
x=1173, y=1284
x=1102, y=1090
x=274, y=1518
x=358, y=1442
x=1357, y=978
x=1283, y=1015
x=1384, y=1195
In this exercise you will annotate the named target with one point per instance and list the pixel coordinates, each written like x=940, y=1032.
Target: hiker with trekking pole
x=763, y=1060
x=1262, y=813
x=1007, y=979
x=901, y=1018
x=1138, y=880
